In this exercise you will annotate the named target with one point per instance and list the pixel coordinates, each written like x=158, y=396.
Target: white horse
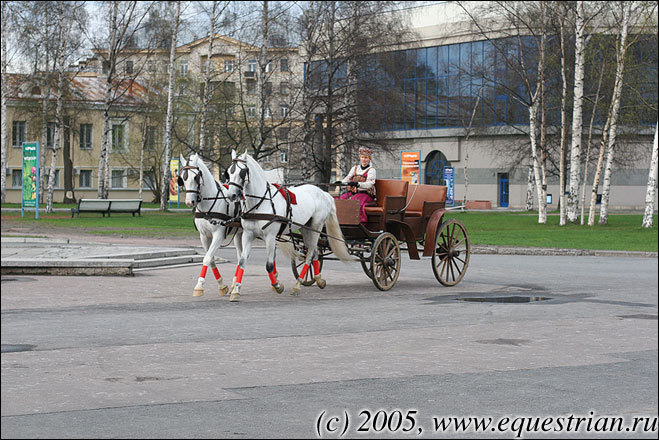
x=315, y=208
x=211, y=209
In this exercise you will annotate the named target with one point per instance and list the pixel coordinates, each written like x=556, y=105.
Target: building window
x=129, y=67
x=118, y=178
x=150, y=66
x=283, y=110
x=251, y=66
x=85, y=136
x=184, y=68
x=283, y=64
x=268, y=88
x=228, y=65
x=85, y=179
x=151, y=138
x=50, y=135
x=283, y=88
x=17, y=133
x=267, y=112
x=283, y=156
x=17, y=178
x=251, y=87
x=119, y=139
x=36, y=90
x=283, y=133
x=251, y=111
x=268, y=67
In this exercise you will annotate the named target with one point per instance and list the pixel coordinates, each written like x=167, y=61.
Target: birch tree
x=651, y=192
x=577, y=113
x=124, y=19
x=215, y=13
x=564, y=89
x=166, y=172
x=3, y=135
x=621, y=50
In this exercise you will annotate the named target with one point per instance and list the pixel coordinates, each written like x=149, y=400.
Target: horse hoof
x=235, y=297
x=279, y=287
x=295, y=291
x=321, y=283
x=224, y=290
x=198, y=292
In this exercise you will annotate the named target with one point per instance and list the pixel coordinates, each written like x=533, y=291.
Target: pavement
x=522, y=340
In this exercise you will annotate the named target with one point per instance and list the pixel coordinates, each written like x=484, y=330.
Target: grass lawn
x=624, y=232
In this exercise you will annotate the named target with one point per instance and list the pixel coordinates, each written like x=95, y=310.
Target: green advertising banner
x=30, y=177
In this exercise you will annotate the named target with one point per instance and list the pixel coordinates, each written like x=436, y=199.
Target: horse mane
x=202, y=165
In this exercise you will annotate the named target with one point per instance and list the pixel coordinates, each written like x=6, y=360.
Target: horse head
x=190, y=178
x=237, y=175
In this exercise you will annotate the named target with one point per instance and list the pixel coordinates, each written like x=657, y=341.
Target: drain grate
x=639, y=316
x=15, y=348
x=505, y=299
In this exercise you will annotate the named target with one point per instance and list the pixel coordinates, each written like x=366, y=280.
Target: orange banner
x=409, y=166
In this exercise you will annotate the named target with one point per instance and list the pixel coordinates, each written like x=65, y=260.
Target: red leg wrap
x=274, y=267
x=304, y=271
x=204, y=268
x=239, y=275
x=273, y=279
x=216, y=273
x=316, y=267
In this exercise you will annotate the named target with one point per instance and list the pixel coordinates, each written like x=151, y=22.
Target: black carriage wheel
x=385, y=261
x=450, y=257
x=297, y=266
x=365, y=262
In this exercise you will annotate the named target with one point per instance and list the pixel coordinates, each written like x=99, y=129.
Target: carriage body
x=411, y=215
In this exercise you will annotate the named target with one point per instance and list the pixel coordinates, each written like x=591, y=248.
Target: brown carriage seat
x=386, y=187
x=417, y=195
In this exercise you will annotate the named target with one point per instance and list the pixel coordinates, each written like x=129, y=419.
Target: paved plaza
x=140, y=357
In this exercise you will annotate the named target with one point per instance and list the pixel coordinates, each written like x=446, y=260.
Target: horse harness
x=249, y=214
x=212, y=217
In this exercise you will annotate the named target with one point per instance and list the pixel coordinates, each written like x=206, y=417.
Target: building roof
x=87, y=89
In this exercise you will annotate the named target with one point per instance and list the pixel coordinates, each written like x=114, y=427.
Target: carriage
x=321, y=227
x=404, y=217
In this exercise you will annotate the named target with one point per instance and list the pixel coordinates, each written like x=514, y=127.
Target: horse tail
x=289, y=250
x=335, y=236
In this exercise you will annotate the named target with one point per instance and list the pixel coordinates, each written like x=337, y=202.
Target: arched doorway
x=435, y=164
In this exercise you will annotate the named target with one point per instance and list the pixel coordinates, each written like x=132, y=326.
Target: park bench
x=106, y=206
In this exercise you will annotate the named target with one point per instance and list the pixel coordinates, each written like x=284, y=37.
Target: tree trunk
x=207, y=83
x=533, y=118
x=561, y=196
x=529, y=188
x=69, y=193
x=651, y=192
x=593, y=199
x=103, y=161
x=3, y=135
x=575, y=152
x=166, y=172
x=617, y=90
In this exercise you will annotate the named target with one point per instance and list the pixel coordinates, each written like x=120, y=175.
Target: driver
x=361, y=182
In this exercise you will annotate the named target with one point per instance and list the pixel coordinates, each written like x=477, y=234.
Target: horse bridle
x=244, y=174
x=197, y=178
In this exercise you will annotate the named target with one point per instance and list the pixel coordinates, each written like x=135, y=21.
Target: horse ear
x=233, y=154
x=181, y=160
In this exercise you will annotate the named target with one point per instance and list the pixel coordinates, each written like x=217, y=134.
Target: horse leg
x=307, y=260
x=270, y=263
x=199, y=288
x=210, y=255
x=247, y=247
x=238, y=243
x=312, y=245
